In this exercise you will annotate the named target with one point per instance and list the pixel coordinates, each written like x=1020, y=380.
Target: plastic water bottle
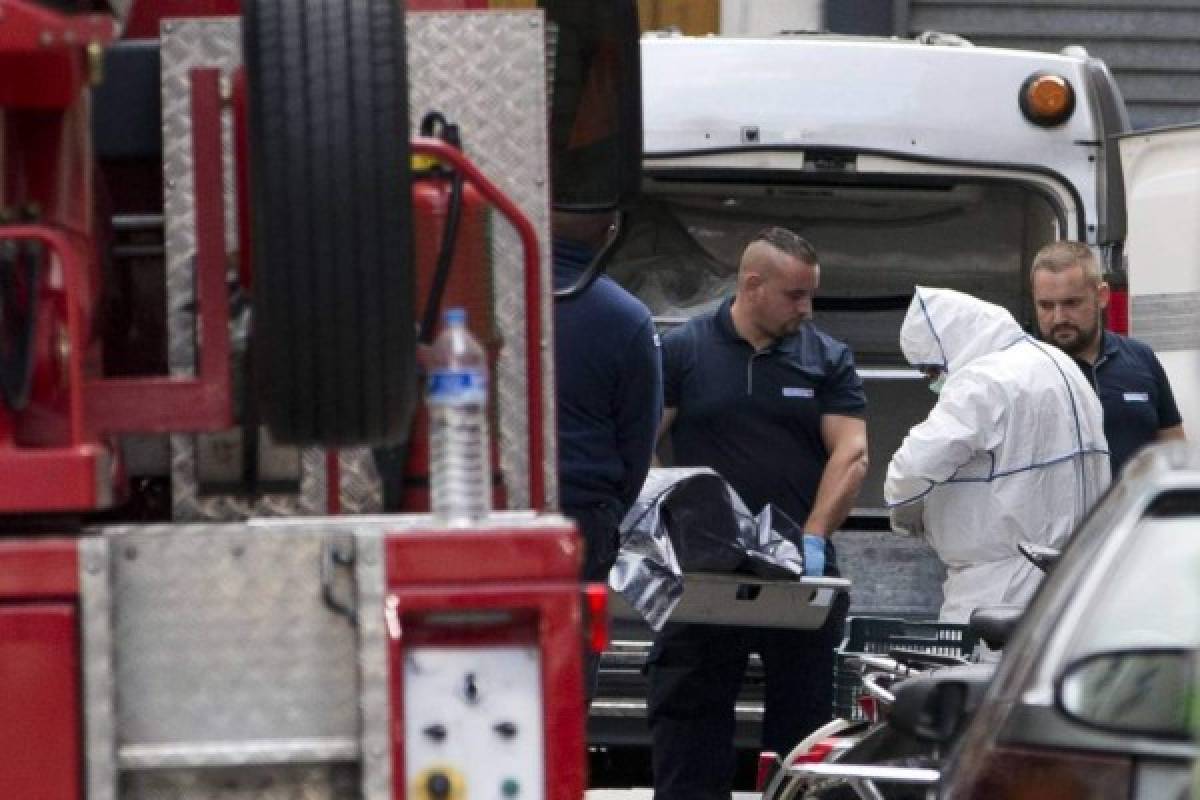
x=456, y=396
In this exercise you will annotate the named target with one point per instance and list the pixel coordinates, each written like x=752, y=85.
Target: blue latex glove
x=814, y=555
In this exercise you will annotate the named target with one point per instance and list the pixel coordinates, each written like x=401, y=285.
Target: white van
x=903, y=162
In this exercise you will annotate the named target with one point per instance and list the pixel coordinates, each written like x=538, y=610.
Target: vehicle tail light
x=595, y=603
x=768, y=763
x=1011, y=773
x=869, y=707
x=821, y=750
x=1118, y=311
x=818, y=752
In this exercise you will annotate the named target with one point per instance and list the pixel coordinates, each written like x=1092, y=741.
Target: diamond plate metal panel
x=374, y=704
x=233, y=681
x=487, y=72
x=338, y=782
x=360, y=489
x=189, y=505
x=99, y=722
x=222, y=636
x=187, y=44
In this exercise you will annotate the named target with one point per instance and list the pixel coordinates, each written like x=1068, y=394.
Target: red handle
x=533, y=290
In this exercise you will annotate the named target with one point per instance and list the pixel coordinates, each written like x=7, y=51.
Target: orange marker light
x=1047, y=99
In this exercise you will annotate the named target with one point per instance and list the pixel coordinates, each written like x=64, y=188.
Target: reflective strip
x=885, y=374
x=1166, y=322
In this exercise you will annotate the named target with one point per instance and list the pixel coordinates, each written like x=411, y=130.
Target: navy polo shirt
x=755, y=417
x=1135, y=394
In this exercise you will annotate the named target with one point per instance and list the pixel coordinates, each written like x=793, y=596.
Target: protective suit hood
x=950, y=329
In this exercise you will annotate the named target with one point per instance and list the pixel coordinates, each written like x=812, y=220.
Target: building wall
x=730, y=17
x=692, y=17
x=765, y=17
x=1152, y=46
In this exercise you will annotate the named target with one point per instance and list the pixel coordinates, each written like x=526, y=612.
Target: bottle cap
x=456, y=316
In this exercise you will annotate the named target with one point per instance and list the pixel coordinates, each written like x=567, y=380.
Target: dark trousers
x=598, y=527
x=695, y=674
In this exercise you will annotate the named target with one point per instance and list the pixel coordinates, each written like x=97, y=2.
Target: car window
x=1152, y=595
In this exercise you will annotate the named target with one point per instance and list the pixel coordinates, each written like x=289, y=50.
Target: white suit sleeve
x=968, y=419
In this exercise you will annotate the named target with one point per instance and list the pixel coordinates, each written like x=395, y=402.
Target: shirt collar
x=1108, y=348
x=569, y=252
x=725, y=325
x=1108, y=343
x=571, y=259
x=725, y=320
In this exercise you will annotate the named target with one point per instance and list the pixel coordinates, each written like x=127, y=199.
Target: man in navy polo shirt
x=1070, y=296
x=775, y=406
x=607, y=370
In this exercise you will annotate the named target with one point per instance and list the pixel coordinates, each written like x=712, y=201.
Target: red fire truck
x=215, y=227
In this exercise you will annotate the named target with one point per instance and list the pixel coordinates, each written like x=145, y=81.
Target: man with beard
x=756, y=392
x=1070, y=296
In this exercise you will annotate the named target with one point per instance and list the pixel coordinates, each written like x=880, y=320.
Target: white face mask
x=937, y=383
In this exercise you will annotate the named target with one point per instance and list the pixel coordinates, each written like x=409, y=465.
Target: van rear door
x=1162, y=248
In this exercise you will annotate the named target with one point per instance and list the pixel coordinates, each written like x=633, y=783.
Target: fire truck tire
x=330, y=219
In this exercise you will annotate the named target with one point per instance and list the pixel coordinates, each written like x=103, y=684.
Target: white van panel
x=955, y=104
x=1162, y=188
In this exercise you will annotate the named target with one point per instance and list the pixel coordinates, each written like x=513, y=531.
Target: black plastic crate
x=881, y=634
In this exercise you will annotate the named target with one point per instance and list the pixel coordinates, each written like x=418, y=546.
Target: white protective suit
x=1013, y=451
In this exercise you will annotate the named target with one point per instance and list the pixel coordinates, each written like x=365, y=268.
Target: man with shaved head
x=756, y=392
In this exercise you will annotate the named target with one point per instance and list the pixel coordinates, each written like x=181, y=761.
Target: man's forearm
x=840, y=483
x=1173, y=433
